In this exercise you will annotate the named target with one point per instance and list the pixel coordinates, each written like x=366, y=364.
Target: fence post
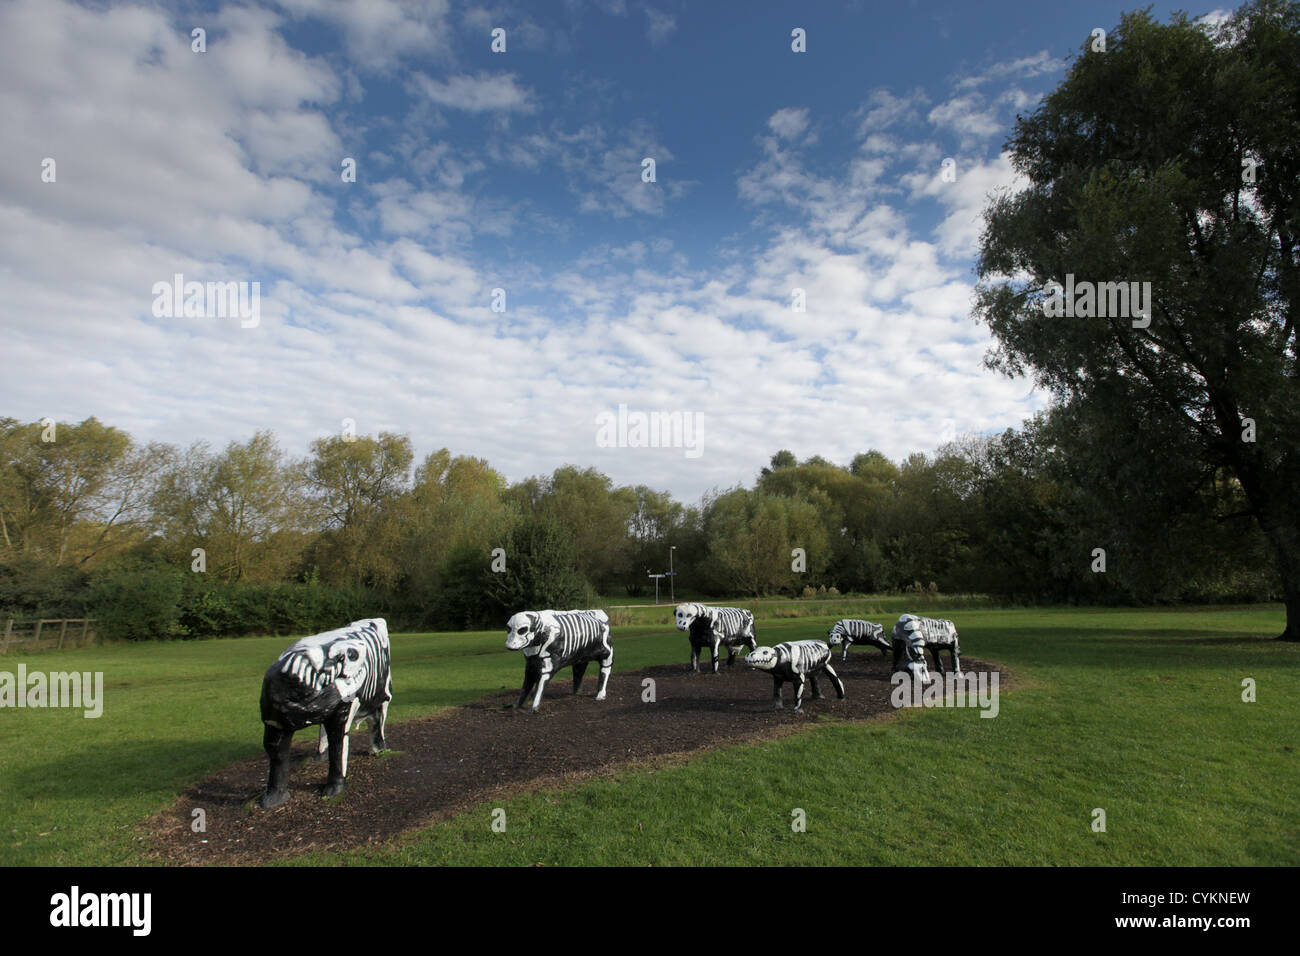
x=85, y=630
x=62, y=631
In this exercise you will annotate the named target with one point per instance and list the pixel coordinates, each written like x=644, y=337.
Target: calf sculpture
x=912, y=635
x=849, y=632
x=794, y=661
x=330, y=679
x=551, y=640
x=714, y=627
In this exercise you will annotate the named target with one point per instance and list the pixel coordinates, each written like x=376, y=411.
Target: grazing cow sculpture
x=331, y=679
x=849, y=632
x=794, y=661
x=551, y=640
x=912, y=635
x=714, y=627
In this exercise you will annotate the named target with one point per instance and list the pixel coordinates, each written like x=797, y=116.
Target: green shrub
x=137, y=601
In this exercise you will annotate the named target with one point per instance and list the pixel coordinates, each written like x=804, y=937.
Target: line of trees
x=158, y=541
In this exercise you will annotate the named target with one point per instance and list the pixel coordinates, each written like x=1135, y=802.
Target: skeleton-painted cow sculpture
x=551, y=640
x=912, y=635
x=794, y=661
x=849, y=632
x=330, y=679
x=714, y=628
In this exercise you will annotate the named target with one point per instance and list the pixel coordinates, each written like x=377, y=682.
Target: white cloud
x=379, y=33
x=788, y=122
x=660, y=25
x=968, y=117
x=883, y=109
x=476, y=94
x=965, y=200
x=1023, y=67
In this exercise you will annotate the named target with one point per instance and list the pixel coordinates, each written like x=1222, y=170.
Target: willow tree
x=1169, y=155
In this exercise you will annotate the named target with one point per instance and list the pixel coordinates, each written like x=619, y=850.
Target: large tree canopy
x=1172, y=157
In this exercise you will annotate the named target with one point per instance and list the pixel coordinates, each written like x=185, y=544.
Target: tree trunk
x=1271, y=500
x=1292, y=632
x=1286, y=547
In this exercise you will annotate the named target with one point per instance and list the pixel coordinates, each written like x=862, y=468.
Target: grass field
x=1139, y=713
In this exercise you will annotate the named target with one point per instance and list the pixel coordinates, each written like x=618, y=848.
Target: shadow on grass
x=118, y=770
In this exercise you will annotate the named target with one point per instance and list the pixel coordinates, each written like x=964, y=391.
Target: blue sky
x=521, y=171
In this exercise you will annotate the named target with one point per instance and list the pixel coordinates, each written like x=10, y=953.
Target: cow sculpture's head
x=762, y=658
x=686, y=615
x=836, y=634
x=336, y=659
x=914, y=658
x=526, y=627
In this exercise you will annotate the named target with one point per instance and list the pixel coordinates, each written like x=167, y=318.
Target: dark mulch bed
x=466, y=755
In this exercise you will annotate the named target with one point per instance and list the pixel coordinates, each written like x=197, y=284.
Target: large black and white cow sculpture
x=912, y=635
x=330, y=679
x=551, y=640
x=796, y=661
x=714, y=628
x=849, y=632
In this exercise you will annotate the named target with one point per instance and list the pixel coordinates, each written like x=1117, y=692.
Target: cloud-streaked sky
x=521, y=171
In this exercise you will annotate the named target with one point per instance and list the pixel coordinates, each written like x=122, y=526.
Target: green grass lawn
x=1135, y=712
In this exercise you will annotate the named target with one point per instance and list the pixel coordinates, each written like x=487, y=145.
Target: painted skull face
x=762, y=658
x=686, y=613
x=835, y=635
x=522, y=630
x=340, y=661
x=915, y=660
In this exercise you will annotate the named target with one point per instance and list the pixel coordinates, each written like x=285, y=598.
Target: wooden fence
x=47, y=633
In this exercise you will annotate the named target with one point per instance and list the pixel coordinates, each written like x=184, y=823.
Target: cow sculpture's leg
x=322, y=744
x=731, y=655
x=606, y=665
x=835, y=680
x=844, y=658
x=532, y=671
x=695, y=657
x=956, y=659
x=337, y=727
x=277, y=743
x=377, y=721
x=798, y=693
x=776, y=692
x=716, y=646
x=579, y=668
x=938, y=661
x=816, y=690
x=542, y=679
